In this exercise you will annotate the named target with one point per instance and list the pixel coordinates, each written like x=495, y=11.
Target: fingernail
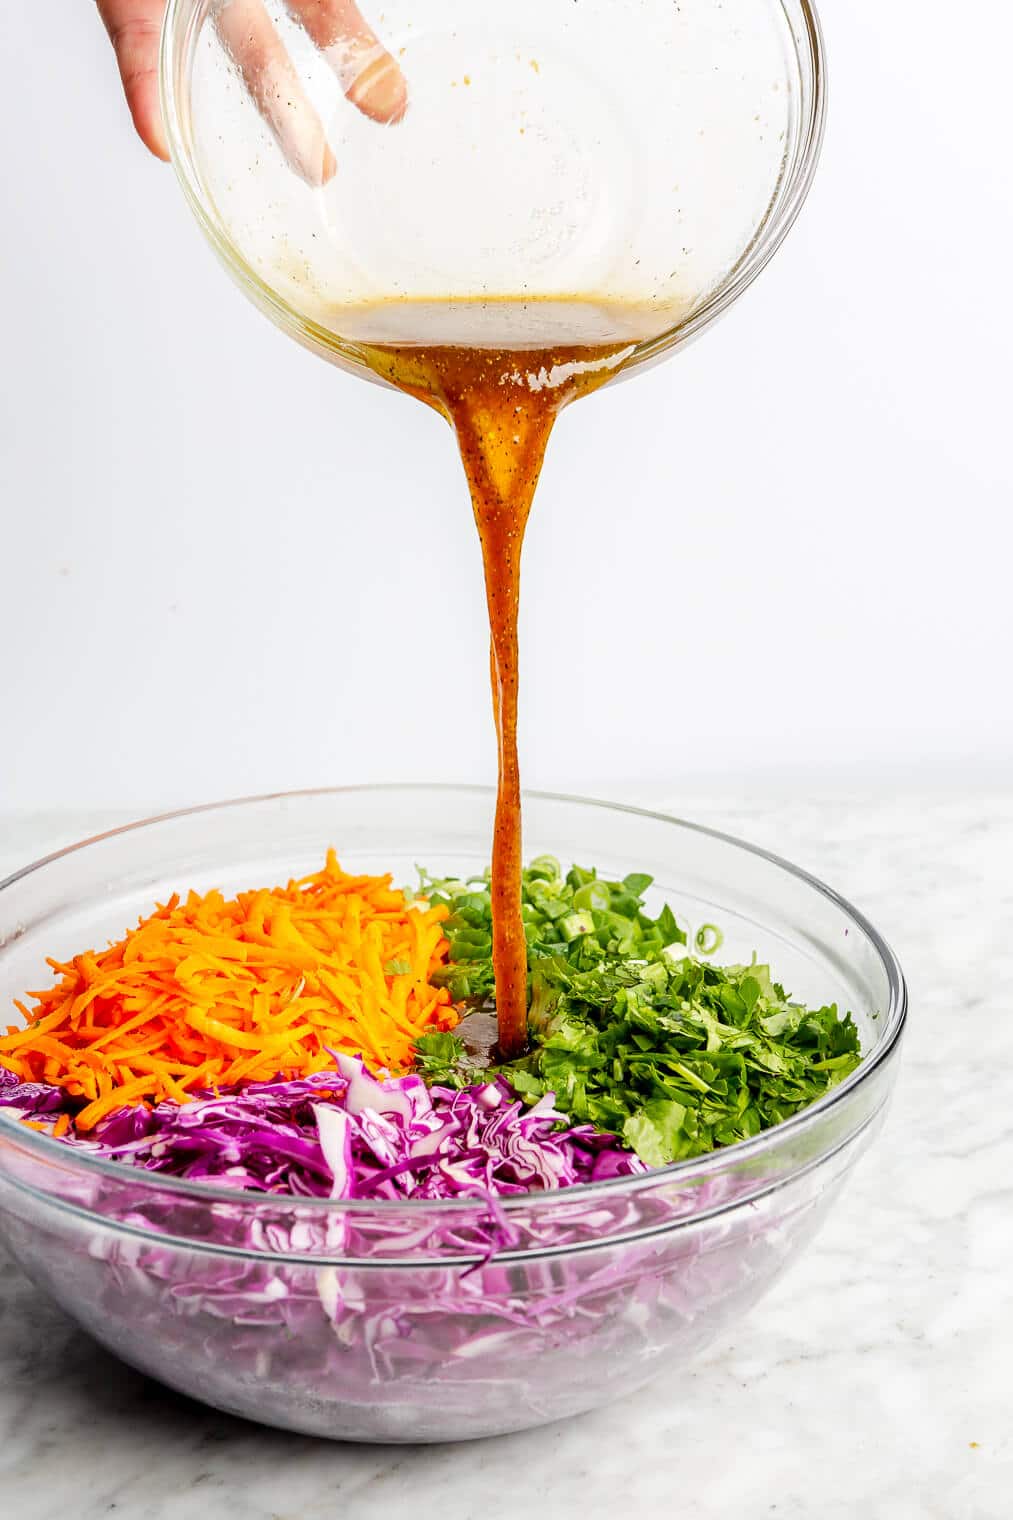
x=380, y=91
x=314, y=163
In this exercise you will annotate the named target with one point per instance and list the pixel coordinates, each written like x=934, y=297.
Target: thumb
x=134, y=28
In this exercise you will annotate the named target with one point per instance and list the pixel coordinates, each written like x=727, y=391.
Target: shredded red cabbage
x=500, y=1318
x=343, y=1133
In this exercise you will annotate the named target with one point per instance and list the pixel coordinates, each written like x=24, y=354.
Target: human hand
x=368, y=75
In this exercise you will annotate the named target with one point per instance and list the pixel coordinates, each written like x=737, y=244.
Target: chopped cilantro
x=677, y=1055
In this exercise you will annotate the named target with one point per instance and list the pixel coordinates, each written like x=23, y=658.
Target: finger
x=368, y=74
x=248, y=35
x=134, y=27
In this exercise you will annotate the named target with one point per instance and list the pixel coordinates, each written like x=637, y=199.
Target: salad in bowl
x=261, y=1141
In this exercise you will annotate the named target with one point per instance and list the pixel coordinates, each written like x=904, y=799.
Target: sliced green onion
x=708, y=939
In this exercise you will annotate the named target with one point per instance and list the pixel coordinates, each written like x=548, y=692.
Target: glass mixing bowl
x=628, y=166
x=388, y=1321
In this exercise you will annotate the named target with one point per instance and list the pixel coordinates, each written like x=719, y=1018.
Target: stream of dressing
x=502, y=403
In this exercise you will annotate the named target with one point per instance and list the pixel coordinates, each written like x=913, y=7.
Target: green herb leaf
x=655, y=1131
x=440, y=1058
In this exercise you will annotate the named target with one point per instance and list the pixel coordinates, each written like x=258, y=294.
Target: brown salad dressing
x=502, y=404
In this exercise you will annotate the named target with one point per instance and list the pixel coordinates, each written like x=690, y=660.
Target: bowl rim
x=794, y=181
x=697, y=1168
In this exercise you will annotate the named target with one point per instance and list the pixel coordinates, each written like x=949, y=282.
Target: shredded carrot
x=209, y=990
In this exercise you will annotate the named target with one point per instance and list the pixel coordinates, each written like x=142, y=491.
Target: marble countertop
x=875, y=1380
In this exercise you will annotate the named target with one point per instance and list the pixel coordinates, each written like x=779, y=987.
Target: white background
x=786, y=554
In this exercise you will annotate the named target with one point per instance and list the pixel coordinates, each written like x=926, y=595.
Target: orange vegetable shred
x=211, y=991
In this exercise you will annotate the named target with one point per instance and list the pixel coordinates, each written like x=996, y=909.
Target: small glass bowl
x=640, y=158
x=389, y=1321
